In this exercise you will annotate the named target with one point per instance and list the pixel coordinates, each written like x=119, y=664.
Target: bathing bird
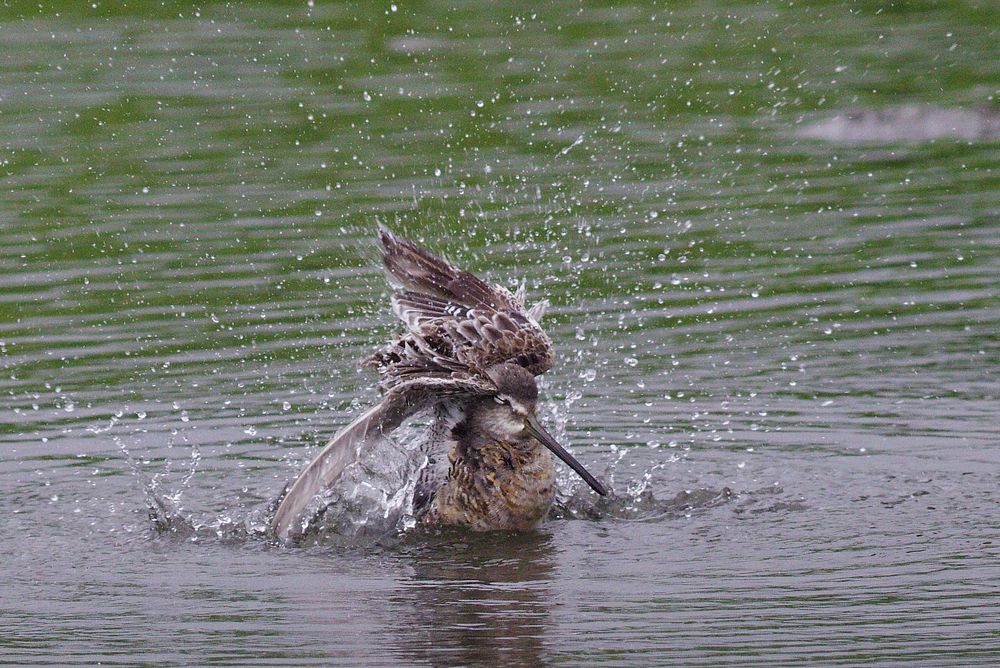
x=468, y=358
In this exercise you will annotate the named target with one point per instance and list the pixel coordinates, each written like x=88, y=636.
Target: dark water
x=778, y=341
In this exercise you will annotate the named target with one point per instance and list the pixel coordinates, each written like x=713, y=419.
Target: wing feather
x=418, y=270
x=352, y=442
x=455, y=321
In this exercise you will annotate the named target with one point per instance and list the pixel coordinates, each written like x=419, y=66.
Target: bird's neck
x=500, y=455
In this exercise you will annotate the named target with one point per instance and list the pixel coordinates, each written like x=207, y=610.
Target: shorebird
x=469, y=356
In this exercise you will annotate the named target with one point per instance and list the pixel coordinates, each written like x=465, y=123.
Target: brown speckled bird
x=469, y=355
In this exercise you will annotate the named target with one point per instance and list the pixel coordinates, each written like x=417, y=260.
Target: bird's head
x=513, y=418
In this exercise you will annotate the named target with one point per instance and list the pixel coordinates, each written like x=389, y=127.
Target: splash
x=166, y=516
x=372, y=502
x=373, y=497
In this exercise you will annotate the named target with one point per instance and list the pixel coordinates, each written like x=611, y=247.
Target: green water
x=780, y=350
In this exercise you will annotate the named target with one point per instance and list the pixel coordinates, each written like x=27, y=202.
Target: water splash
x=163, y=511
x=373, y=500
x=637, y=504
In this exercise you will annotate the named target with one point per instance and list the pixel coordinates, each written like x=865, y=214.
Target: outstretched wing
x=350, y=443
x=455, y=321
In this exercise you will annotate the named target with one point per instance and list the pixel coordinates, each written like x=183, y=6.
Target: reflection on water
x=492, y=606
x=780, y=350
x=902, y=125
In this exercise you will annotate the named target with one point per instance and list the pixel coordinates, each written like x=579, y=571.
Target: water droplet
x=588, y=375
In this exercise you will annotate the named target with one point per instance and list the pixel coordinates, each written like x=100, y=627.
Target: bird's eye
x=502, y=400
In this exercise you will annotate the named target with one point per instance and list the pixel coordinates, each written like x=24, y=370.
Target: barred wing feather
x=352, y=442
x=455, y=321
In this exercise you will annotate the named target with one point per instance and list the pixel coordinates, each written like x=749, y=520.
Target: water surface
x=778, y=347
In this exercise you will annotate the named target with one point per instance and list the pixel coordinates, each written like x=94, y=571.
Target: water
x=778, y=345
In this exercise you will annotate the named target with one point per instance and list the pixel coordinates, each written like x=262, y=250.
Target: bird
x=469, y=357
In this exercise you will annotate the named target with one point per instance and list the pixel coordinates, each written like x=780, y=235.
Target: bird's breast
x=494, y=485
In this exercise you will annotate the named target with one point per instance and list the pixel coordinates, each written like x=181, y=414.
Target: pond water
x=774, y=296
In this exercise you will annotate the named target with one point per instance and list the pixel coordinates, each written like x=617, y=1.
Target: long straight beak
x=536, y=430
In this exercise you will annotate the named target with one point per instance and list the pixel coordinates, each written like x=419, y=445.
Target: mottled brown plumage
x=494, y=485
x=469, y=354
x=455, y=321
